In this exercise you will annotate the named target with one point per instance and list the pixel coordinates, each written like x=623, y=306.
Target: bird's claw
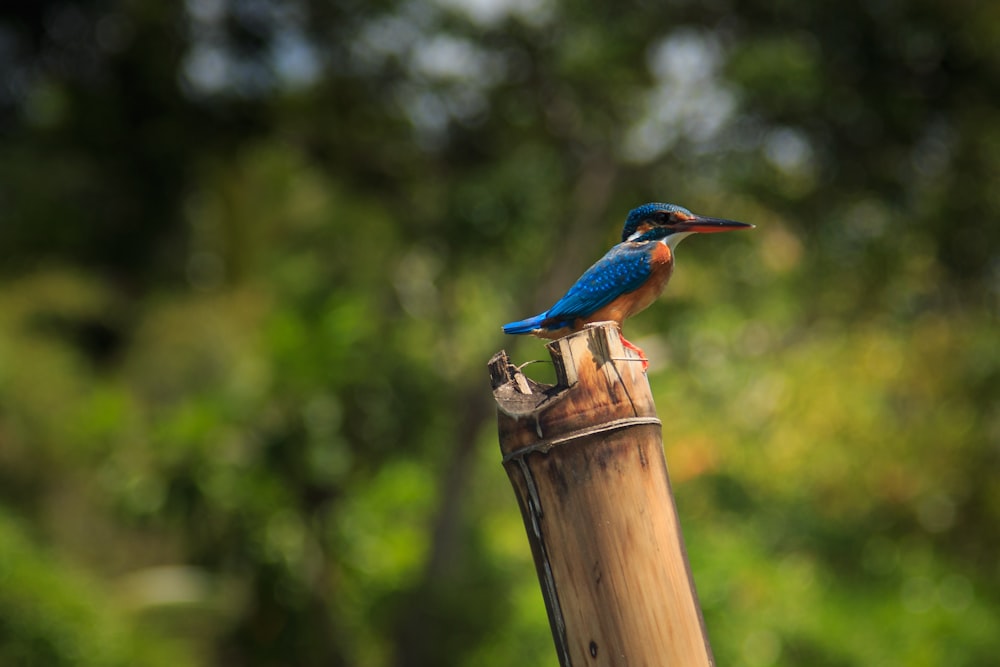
x=638, y=350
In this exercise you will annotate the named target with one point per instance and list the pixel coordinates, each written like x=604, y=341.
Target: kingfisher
x=629, y=277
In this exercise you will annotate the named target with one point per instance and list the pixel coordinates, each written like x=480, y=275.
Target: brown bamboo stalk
x=585, y=458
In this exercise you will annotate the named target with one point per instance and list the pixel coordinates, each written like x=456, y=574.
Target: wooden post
x=585, y=457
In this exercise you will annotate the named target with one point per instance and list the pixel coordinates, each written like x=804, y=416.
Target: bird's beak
x=710, y=225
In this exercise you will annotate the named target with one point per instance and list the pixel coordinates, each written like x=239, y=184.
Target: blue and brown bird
x=629, y=278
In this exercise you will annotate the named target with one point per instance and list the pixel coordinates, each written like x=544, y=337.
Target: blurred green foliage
x=255, y=254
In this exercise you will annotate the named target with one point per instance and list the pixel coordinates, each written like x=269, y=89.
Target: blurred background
x=255, y=254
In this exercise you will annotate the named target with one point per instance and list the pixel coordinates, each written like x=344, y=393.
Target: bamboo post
x=585, y=458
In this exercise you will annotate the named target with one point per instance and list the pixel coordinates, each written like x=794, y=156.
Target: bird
x=630, y=276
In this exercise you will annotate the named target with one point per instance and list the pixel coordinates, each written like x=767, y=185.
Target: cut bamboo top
x=536, y=416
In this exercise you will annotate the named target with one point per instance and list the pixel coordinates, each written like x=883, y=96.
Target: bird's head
x=672, y=223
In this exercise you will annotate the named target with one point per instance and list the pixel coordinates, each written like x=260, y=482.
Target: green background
x=254, y=256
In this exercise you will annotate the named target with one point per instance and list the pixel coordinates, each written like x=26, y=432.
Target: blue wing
x=622, y=270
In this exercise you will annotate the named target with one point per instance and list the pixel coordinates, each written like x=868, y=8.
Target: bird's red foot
x=635, y=348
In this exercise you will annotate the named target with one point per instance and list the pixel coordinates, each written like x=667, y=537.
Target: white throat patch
x=672, y=240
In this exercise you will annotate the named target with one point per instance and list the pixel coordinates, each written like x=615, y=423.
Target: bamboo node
x=543, y=446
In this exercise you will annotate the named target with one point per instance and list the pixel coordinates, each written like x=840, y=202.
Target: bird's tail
x=524, y=326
